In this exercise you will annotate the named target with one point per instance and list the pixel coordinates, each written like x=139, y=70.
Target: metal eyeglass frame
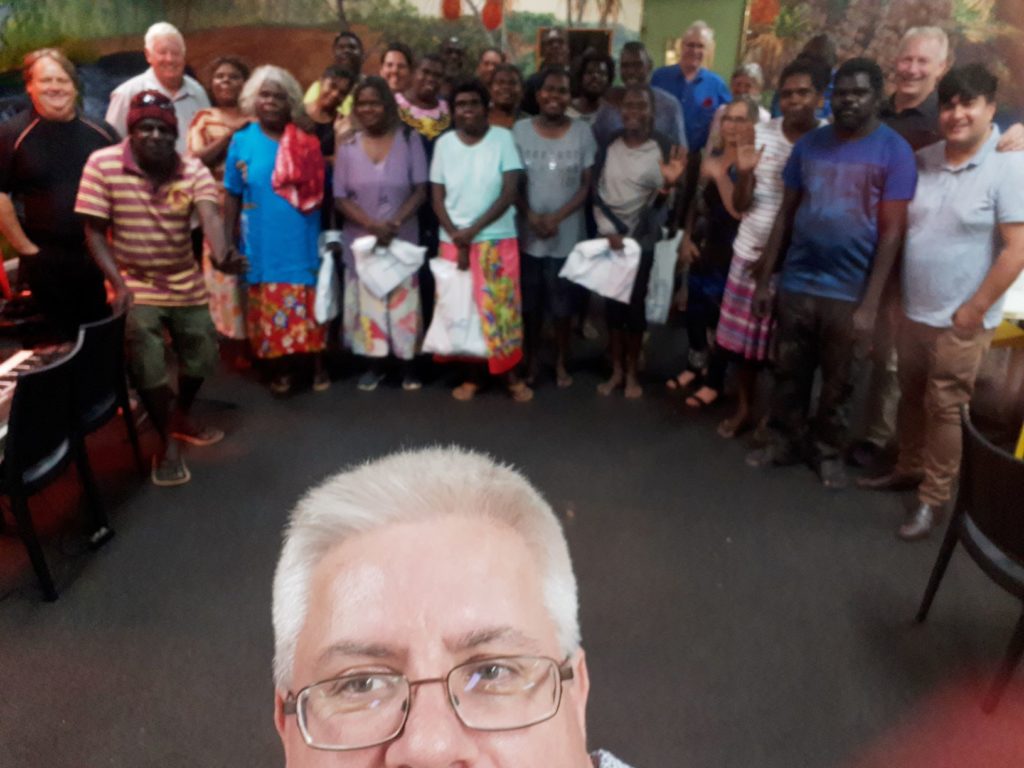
x=291, y=703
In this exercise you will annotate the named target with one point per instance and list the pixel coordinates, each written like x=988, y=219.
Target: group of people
x=215, y=213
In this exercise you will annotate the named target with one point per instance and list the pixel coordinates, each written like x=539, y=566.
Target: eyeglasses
x=366, y=709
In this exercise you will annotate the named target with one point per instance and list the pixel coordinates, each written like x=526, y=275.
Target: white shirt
x=189, y=99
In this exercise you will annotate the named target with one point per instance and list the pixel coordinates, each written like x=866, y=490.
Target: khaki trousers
x=937, y=371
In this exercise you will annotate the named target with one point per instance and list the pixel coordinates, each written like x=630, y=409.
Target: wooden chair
x=989, y=521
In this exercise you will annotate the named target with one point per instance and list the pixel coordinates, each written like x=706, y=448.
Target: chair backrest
x=42, y=416
x=100, y=369
x=994, y=483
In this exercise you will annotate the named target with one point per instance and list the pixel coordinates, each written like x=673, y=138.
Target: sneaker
x=369, y=381
x=411, y=383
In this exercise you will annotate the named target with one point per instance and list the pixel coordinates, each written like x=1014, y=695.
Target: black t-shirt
x=41, y=164
x=918, y=125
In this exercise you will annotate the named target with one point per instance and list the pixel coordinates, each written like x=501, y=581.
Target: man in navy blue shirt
x=844, y=215
x=700, y=93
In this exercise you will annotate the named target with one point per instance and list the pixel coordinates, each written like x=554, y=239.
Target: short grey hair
x=752, y=70
x=703, y=28
x=268, y=73
x=412, y=486
x=937, y=34
x=162, y=29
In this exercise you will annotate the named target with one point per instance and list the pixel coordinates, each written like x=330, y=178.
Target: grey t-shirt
x=553, y=171
x=953, y=229
x=629, y=183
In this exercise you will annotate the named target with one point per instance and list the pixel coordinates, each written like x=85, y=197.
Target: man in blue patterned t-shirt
x=844, y=214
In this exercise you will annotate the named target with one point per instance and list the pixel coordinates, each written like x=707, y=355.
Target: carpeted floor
x=732, y=618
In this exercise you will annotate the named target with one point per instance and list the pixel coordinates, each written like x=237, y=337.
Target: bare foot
x=520, y=392
x=465, y=391
x=562, y=378
x=611, y=385
x=735, y=425
x=633, y=388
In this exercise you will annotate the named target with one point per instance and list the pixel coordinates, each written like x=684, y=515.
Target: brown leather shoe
x=921, y=522
x=891, y=481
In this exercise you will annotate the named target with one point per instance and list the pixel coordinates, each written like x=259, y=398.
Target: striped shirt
x=768, y=190
x=150, y=225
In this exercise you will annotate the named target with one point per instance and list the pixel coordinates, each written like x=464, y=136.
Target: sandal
x=679, y=382
x=169, y=473
x=698, y=402
x=369, y=381
x=520, y=392
x=200, y=437
x=281, y=386
x=466, y=391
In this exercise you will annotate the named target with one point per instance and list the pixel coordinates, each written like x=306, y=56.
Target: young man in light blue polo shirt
x=964, y=248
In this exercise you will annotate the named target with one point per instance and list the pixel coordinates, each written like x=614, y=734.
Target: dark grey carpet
x=732, y=618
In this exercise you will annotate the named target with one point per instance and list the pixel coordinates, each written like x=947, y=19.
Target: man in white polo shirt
x=165, y=53
x=964, y=248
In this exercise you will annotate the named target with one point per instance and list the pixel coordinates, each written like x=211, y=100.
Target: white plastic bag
x=663, y=275
x=455, y=330
x=327, y=305
x=382, y=269
x=608, y=273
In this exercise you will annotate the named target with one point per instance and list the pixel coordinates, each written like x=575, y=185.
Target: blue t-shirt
x=472, y=176
x=279, y=240
x=835, y=232
x=700, y=98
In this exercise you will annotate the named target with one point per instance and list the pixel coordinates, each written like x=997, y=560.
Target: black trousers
x=632, y=317
x=813, y=333
x=67, y=287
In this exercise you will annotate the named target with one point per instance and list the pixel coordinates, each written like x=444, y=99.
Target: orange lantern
x=451, y=9
x=491, y=15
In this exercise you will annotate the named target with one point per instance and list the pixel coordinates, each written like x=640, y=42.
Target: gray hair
x=412, y=486
x=752, y=70
x=936, y=34
x=703, y=28
x=162, y=29
x=268, y=73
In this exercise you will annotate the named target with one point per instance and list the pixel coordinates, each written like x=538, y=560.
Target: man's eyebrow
x=487, y=635
x=356, y=648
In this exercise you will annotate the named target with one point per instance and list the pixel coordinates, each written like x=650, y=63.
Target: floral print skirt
x=495, y=268
x=375, y=327
x=280, y=320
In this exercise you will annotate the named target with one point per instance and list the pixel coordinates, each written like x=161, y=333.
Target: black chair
x=100, y=384
x=42, y=439
x=989, y=521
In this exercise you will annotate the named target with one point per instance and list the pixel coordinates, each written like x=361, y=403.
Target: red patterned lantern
x=451, y=9
x=491, y=15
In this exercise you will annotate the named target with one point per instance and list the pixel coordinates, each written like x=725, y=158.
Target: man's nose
x=433, y=736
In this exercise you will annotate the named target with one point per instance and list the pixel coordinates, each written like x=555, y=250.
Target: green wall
x=666, y=19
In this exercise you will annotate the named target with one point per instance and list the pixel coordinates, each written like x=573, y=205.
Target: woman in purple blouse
x=380, y=178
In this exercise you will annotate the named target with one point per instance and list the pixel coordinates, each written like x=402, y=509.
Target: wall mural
x=990, y=31
x=295, y=34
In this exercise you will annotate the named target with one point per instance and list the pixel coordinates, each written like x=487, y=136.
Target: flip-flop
x=699, y=403
x=201, y=438
x=676, y=384
x=168, y=475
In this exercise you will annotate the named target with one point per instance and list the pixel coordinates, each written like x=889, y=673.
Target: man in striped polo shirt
x=143, y=194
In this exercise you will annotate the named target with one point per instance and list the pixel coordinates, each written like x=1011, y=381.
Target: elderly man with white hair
x=425, y=614
x=165, y=53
